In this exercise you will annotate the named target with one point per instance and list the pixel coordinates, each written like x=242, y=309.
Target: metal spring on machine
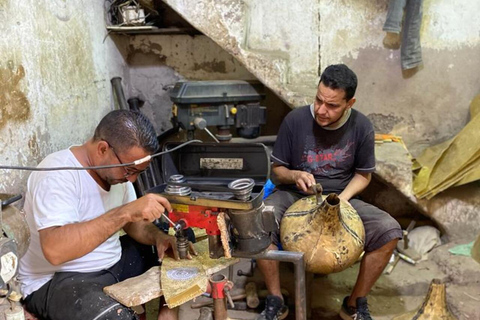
x=177, y=190
x=242, y=188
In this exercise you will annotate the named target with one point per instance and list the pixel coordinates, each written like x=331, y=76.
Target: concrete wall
x=156, y=62
x=425, y=107
x=285, y=43
x=55, y=68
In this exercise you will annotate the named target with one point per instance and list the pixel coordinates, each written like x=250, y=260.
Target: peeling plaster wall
x=55, y=70
x=157, y=62
x=286, y=43
x=425, y=107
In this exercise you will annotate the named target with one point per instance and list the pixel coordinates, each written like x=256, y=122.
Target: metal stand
x=299, y=269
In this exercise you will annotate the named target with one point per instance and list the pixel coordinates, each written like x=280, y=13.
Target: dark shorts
x=80, y=296
x=380, y=227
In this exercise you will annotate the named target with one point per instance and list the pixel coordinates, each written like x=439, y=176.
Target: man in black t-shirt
x=332, y=144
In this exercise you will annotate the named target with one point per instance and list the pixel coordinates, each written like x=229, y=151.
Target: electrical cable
x=134, y=163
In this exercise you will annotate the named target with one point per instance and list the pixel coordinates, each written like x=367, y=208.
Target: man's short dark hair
x=124, y=129
x=339, y=76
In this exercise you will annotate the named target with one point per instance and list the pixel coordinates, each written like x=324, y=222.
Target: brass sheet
x=452, y=163
x=178, y=291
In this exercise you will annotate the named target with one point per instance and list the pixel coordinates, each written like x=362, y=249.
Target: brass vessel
x=327, y=229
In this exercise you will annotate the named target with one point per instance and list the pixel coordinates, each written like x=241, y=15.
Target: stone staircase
x=283, y=59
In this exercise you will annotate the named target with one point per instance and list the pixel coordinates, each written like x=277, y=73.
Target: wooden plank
x=137, y=290
x=147, y=286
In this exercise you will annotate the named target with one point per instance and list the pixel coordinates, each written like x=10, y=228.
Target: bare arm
x=283, y=175
x=64, y=243
x=358, y=183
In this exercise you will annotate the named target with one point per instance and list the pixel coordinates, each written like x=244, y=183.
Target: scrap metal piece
x=434, y=306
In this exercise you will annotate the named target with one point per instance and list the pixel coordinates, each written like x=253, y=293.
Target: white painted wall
x=65, y=89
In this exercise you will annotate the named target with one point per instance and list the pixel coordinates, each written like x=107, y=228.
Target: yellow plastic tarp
x=452, y=163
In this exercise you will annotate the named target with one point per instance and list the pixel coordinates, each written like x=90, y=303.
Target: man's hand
x=347, y=201
x=304, y=181
x=165, y=242
x=146, y=208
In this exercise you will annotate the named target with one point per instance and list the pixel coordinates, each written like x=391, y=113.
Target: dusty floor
x=401, y=291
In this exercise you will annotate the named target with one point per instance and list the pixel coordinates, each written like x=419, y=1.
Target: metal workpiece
x=182, y=246
x=251, y=233
x=318, y=190
x=298, y=260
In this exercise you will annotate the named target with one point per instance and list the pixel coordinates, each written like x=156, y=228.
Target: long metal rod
x=297, y=258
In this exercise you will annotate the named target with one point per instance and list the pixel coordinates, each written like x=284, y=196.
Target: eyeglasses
x=128, y=170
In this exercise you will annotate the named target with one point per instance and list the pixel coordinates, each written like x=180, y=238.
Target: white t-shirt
x=57, y=198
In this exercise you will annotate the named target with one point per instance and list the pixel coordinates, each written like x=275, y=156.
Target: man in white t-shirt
x=75, y=217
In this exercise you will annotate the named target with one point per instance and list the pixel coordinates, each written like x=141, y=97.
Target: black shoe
x=361, y=312
x=274, y=309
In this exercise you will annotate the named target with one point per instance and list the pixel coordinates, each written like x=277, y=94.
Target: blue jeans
x=411, y=51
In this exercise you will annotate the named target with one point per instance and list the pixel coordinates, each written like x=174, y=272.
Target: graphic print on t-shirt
x=321, y=161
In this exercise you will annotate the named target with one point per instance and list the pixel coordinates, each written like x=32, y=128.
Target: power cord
x=134, y=163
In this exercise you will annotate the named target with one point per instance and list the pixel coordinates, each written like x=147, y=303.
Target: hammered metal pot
x=328, y=230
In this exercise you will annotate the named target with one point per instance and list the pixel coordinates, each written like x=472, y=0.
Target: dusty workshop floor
x=403, y=290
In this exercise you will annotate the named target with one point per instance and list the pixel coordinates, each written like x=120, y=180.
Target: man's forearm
x=302, y=179
x=72, y=241
x=283, y=175
x=143, y=232
x=358, y=183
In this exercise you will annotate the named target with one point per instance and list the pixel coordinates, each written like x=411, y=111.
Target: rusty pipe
x=118, y=90
x=219, y=287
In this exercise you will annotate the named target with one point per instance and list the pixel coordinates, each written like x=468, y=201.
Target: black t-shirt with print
x=332, y=156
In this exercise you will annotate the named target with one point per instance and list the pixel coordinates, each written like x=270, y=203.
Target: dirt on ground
x=401, y=291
